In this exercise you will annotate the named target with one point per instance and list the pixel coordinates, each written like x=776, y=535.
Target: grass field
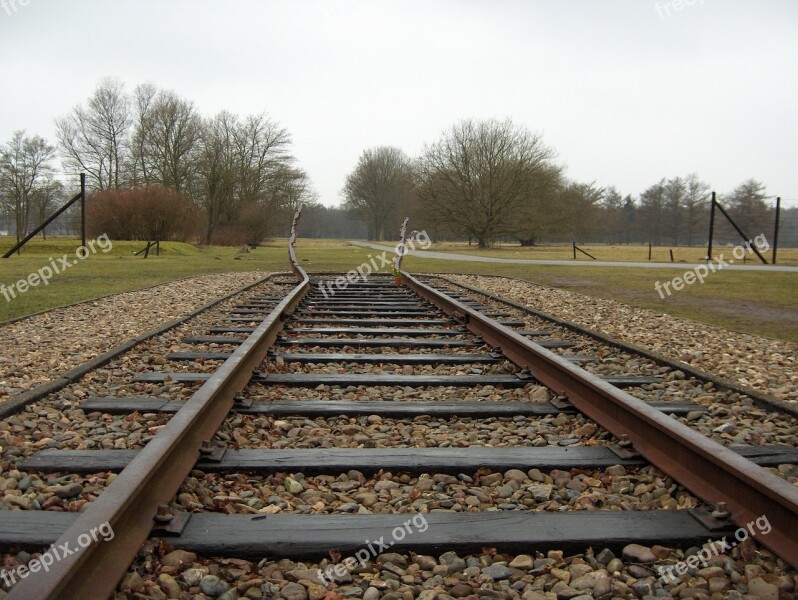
x=748, y=301
x=624, y=253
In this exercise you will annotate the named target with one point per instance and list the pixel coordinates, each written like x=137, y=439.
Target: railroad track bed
x=761, y=363
x=63, y=338
x=346, y=431
x=730, y=416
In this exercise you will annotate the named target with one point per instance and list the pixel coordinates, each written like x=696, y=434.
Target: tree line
x=491, y=180
x=227, y=177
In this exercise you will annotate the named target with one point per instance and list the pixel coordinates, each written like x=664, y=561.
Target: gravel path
x=37, y=348
x=758, y=362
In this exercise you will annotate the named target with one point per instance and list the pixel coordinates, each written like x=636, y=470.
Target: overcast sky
x=625, y=91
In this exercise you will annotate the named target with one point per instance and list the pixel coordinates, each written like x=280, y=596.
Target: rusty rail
x=130, y=504
x=703, y=466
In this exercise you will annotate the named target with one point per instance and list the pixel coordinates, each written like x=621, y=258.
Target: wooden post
x=711, y=227
x=83, y=208
x=776, y=229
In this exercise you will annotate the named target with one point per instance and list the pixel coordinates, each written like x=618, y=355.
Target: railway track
x=303, y=425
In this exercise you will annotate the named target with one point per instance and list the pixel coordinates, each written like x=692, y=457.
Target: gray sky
x=625, y=91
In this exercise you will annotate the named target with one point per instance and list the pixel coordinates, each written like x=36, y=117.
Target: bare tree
x=44, y=199
x=215, y=188
x=262, y=151
x=170, y=132
x=477, y=176
x=143, y=97
x=94, y=138
x=544, y=210
x=381, y=183
x=24, y=171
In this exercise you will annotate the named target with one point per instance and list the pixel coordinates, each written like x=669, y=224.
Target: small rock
x=460, y=590
x=371, y=594
x=565, y=591
x=606, y=555
x=178, y=558
x=522, y=561
x=213, y=586
x=392, y=557
x=497, y=572
x=294, y=591
x=168, y=584
x=639, y=554
x=192, y=577
x=311, y=575
x=69, y=491
x=292, y=486
x=766, y=591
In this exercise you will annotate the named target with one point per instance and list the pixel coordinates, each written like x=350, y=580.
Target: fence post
x=83, y=208
x=649, y=251
x=574, y=245
x=671, y=250
x=776, y=229
x=711, y=227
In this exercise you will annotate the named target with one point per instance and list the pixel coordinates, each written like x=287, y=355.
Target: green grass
x=747, y=301
x=120, y=271
x=608, y=252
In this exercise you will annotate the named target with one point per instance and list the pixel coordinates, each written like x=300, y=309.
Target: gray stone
x=497, y=572
x=605, y=556
x=68, y=491
x=759, y=587
x=453, y=563
x=565, y=591
x=294, y=591
x=642, y=588
x=213, y=586
x=371, y=594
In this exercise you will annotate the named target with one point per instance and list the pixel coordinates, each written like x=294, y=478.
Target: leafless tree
x=381, y=184
x=215, y=184
x=25, y=170
x=93, y=138
x=143, y=97
x=44, y=199
x=168, y=135
x=262, y=151
x=477, y=176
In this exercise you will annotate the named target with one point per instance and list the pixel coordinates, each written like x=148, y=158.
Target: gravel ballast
x=38, y=348
x=758, y=362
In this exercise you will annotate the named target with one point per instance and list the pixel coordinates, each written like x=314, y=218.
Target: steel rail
x=130, y=504
x=760, y=398
x=708, y=469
